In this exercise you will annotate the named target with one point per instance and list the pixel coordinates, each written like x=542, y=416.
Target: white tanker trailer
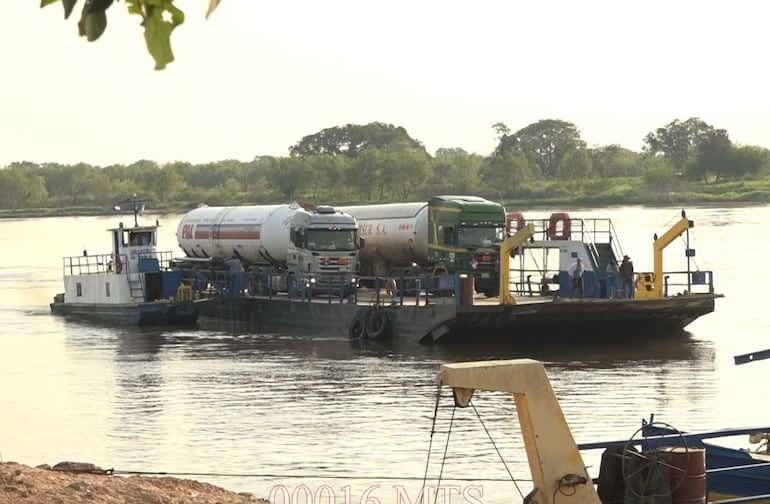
x=319, y=244
x=446, y=235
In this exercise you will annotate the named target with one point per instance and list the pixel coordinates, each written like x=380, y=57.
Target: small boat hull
x=153, y=313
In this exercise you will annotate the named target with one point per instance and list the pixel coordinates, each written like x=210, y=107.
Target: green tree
x=678, y=140
x=101, y=188
x=56, y=182
x=290, y=176
x=327, y=174
x=746, y=161
x=714, y=153
x=546, y=142
x=658, y=173
x=167, y=183
x=77, y=184
x=365, y=172
x=505, y=140
x=615, y=161
x=506, y=172
x=21, y=188
x=406, y=168
x=352, y=139
x=454, y=170
x=576, y=165
x=144, y=173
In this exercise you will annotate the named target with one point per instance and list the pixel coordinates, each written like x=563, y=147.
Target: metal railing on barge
x=412, y=290
x=536, y=282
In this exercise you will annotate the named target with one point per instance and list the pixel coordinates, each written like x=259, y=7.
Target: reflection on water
x=299, y=407
x=287, y=410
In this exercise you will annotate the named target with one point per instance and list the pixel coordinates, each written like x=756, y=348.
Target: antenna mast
x=135, y=203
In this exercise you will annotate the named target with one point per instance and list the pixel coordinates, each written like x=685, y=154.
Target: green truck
x=445, y=235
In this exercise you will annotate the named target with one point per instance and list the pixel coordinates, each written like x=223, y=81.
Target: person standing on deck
x=613, y=275
x=577, y=278
x=627, y=277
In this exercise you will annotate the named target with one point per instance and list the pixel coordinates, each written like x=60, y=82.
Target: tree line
x=380, y=162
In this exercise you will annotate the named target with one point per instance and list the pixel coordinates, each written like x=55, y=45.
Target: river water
x=282, y=415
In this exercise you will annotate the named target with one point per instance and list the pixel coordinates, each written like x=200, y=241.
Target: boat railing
x=539, y=282
x=533, y=282
x=153, y=261
x=334, y=288
x=676, y=283
x=87, y=264
x=591, y=231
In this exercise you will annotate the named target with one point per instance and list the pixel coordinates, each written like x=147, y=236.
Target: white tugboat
x=133, y=284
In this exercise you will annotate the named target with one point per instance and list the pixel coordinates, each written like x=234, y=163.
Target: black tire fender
x=358, y=326
x=378, y=326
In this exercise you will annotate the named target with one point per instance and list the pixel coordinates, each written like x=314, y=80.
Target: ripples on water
x=310, y=412
x=278, y=410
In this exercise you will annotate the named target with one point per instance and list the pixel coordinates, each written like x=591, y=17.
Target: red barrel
x=687, y=475
x=467, y=290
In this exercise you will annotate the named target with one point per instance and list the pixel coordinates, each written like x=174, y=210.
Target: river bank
x=78, y=483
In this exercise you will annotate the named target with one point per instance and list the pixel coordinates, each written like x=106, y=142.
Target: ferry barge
x=534, y=301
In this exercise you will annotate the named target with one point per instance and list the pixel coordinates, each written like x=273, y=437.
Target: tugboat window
x=140, y=239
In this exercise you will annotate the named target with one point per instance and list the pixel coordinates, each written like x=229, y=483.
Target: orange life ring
x=118, y=264
x=553, y=226
x=392, y=288
x=510, y=217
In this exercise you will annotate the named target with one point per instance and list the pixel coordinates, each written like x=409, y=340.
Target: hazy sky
x=257, y=76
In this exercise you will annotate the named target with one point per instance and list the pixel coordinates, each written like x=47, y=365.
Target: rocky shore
x=79, y=483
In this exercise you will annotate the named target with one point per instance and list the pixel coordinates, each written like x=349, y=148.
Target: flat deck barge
x=535, y=302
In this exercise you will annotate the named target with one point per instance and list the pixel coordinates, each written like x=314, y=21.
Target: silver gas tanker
x=394, y=234
x=272, y=237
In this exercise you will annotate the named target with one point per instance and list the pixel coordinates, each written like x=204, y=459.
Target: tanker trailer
x=320, y=245
x=445, y=235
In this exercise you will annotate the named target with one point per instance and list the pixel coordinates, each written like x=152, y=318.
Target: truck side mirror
x=361, y=243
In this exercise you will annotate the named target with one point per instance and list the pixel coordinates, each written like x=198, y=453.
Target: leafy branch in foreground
x=159, y=18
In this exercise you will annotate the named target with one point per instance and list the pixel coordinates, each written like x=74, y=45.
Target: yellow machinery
x=650, y=285
x=558, y=473
x=510, y=243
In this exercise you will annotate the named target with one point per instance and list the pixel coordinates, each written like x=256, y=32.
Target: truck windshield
x=326, y=239
x=479, y=236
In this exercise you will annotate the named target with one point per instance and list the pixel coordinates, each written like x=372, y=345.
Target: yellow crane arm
x=660, y=243
x=558, y=471
x=510, y=243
